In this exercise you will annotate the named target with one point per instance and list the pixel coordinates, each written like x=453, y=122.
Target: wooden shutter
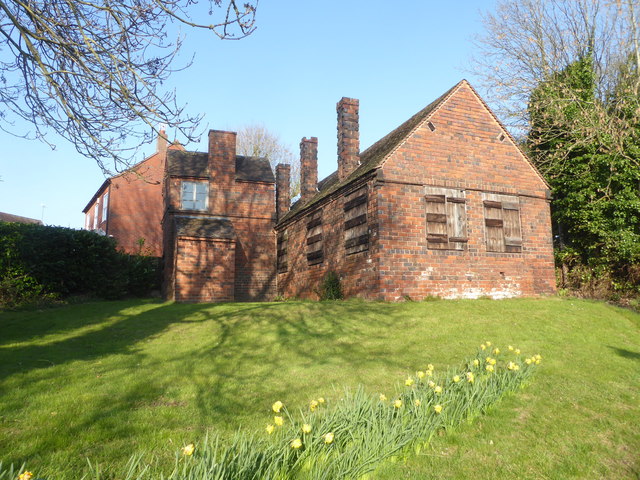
x=446, y=218
x=502, y=223
x=315, y=243
x=282, y=253
x=356, y=227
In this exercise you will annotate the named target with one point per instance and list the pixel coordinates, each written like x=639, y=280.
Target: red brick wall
x=204, y=270
x=463, y=152
x=358, y=272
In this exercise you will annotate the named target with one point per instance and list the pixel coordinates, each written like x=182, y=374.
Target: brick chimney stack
x=162, y=142
x=222, y=155
x=283, y=188
x=308, y=168
x=348, y=136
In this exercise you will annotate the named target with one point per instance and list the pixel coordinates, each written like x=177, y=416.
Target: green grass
x=105, y=380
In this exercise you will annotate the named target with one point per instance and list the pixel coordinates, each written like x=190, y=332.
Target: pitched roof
x=196, y=164
x=372, y=157
x=204, y=227
x=8, y=217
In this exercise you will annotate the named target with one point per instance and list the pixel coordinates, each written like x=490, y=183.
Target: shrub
x=331, y=288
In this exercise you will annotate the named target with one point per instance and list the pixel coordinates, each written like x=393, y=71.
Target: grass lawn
x=105, y=380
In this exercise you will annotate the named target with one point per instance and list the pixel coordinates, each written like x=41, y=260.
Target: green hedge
x=55, y=261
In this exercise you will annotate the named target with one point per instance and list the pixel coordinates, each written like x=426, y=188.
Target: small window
x=356, y=228
x=502, y=223
x=105, y=206
x=282, y=254
x=446, y=218
x=315, y=244
x=87, y=220
x=194, y=195
x=96, y=210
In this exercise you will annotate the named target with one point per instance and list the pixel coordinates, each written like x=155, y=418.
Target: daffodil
x=517, y=351
x=420, y=374
x=431, y=384
x=528, y=361
x=429, y=373
x=510, y=348
x=417, y=402
x=430, y=367
x=277, y=406
x=278, y=420
x=488, y=359
x=470, y=377
x=188, y=450
x=25, y=476
x=483, y=347
x=321, y=400
x=296, y=444
x=397, y=403
x=328, y=438
x=270, y=428
x=437, y=408
x=488, y=344
x=511, y=366
x=493, y=361
x=489, y=368
x=383, y=397
x=313, y=405
x=476, y=362
x=408, y=382
x=496, y=351
x=306, y=428
x=516, y=367
x=456, y=379
x=438, y=389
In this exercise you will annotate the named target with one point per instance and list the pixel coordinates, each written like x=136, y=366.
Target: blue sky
x=396, y=57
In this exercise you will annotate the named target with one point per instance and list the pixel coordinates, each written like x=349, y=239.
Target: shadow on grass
x=625, y=353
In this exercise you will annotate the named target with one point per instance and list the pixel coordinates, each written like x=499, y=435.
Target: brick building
x=129, y=207
x=444, y=205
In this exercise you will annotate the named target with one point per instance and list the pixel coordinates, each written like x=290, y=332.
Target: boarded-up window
x=315, y=243
x=282, y=252
x=446, y=218
x=502, y=223
x=356, y=227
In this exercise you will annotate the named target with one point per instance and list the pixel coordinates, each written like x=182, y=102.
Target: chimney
x=283, y=188
x=222, y=154
x=348, y=136
x=162, y=143
x=308, y=168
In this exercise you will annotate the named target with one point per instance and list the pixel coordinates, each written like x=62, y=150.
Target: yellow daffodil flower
x=511, y=366
x=438, y=389
x=306, y=428
x=516, y=367
x=431, y=384
x=397, y=403
x=437, y=408
x=296, y=444
x=476, y=362
x=470, y=377
x=328, y=438
x=489, y=368
x=25, y=476
x=383, y=397
x=429, y=373
x=456, y=379
x=488, y=359
x=417, y=402
x=313, y=405
x=483, y=347
x=270, y=428
x=408, y=382
x=278, y=420
x=420, y=374
x=493, y=361
x=488, y=344
x=188, y=450
x=496, y=351
x=510, y=348
x=321, y=400
x=517, y=351
x=277, y=406
x=430, y=367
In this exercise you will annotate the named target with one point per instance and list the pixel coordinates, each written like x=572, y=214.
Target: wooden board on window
x=315, y=243
x=446, y=218
x=356, y=226
x=502, y=223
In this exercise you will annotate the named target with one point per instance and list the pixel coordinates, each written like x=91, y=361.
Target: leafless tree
x=94, y=70
x=257, y=141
